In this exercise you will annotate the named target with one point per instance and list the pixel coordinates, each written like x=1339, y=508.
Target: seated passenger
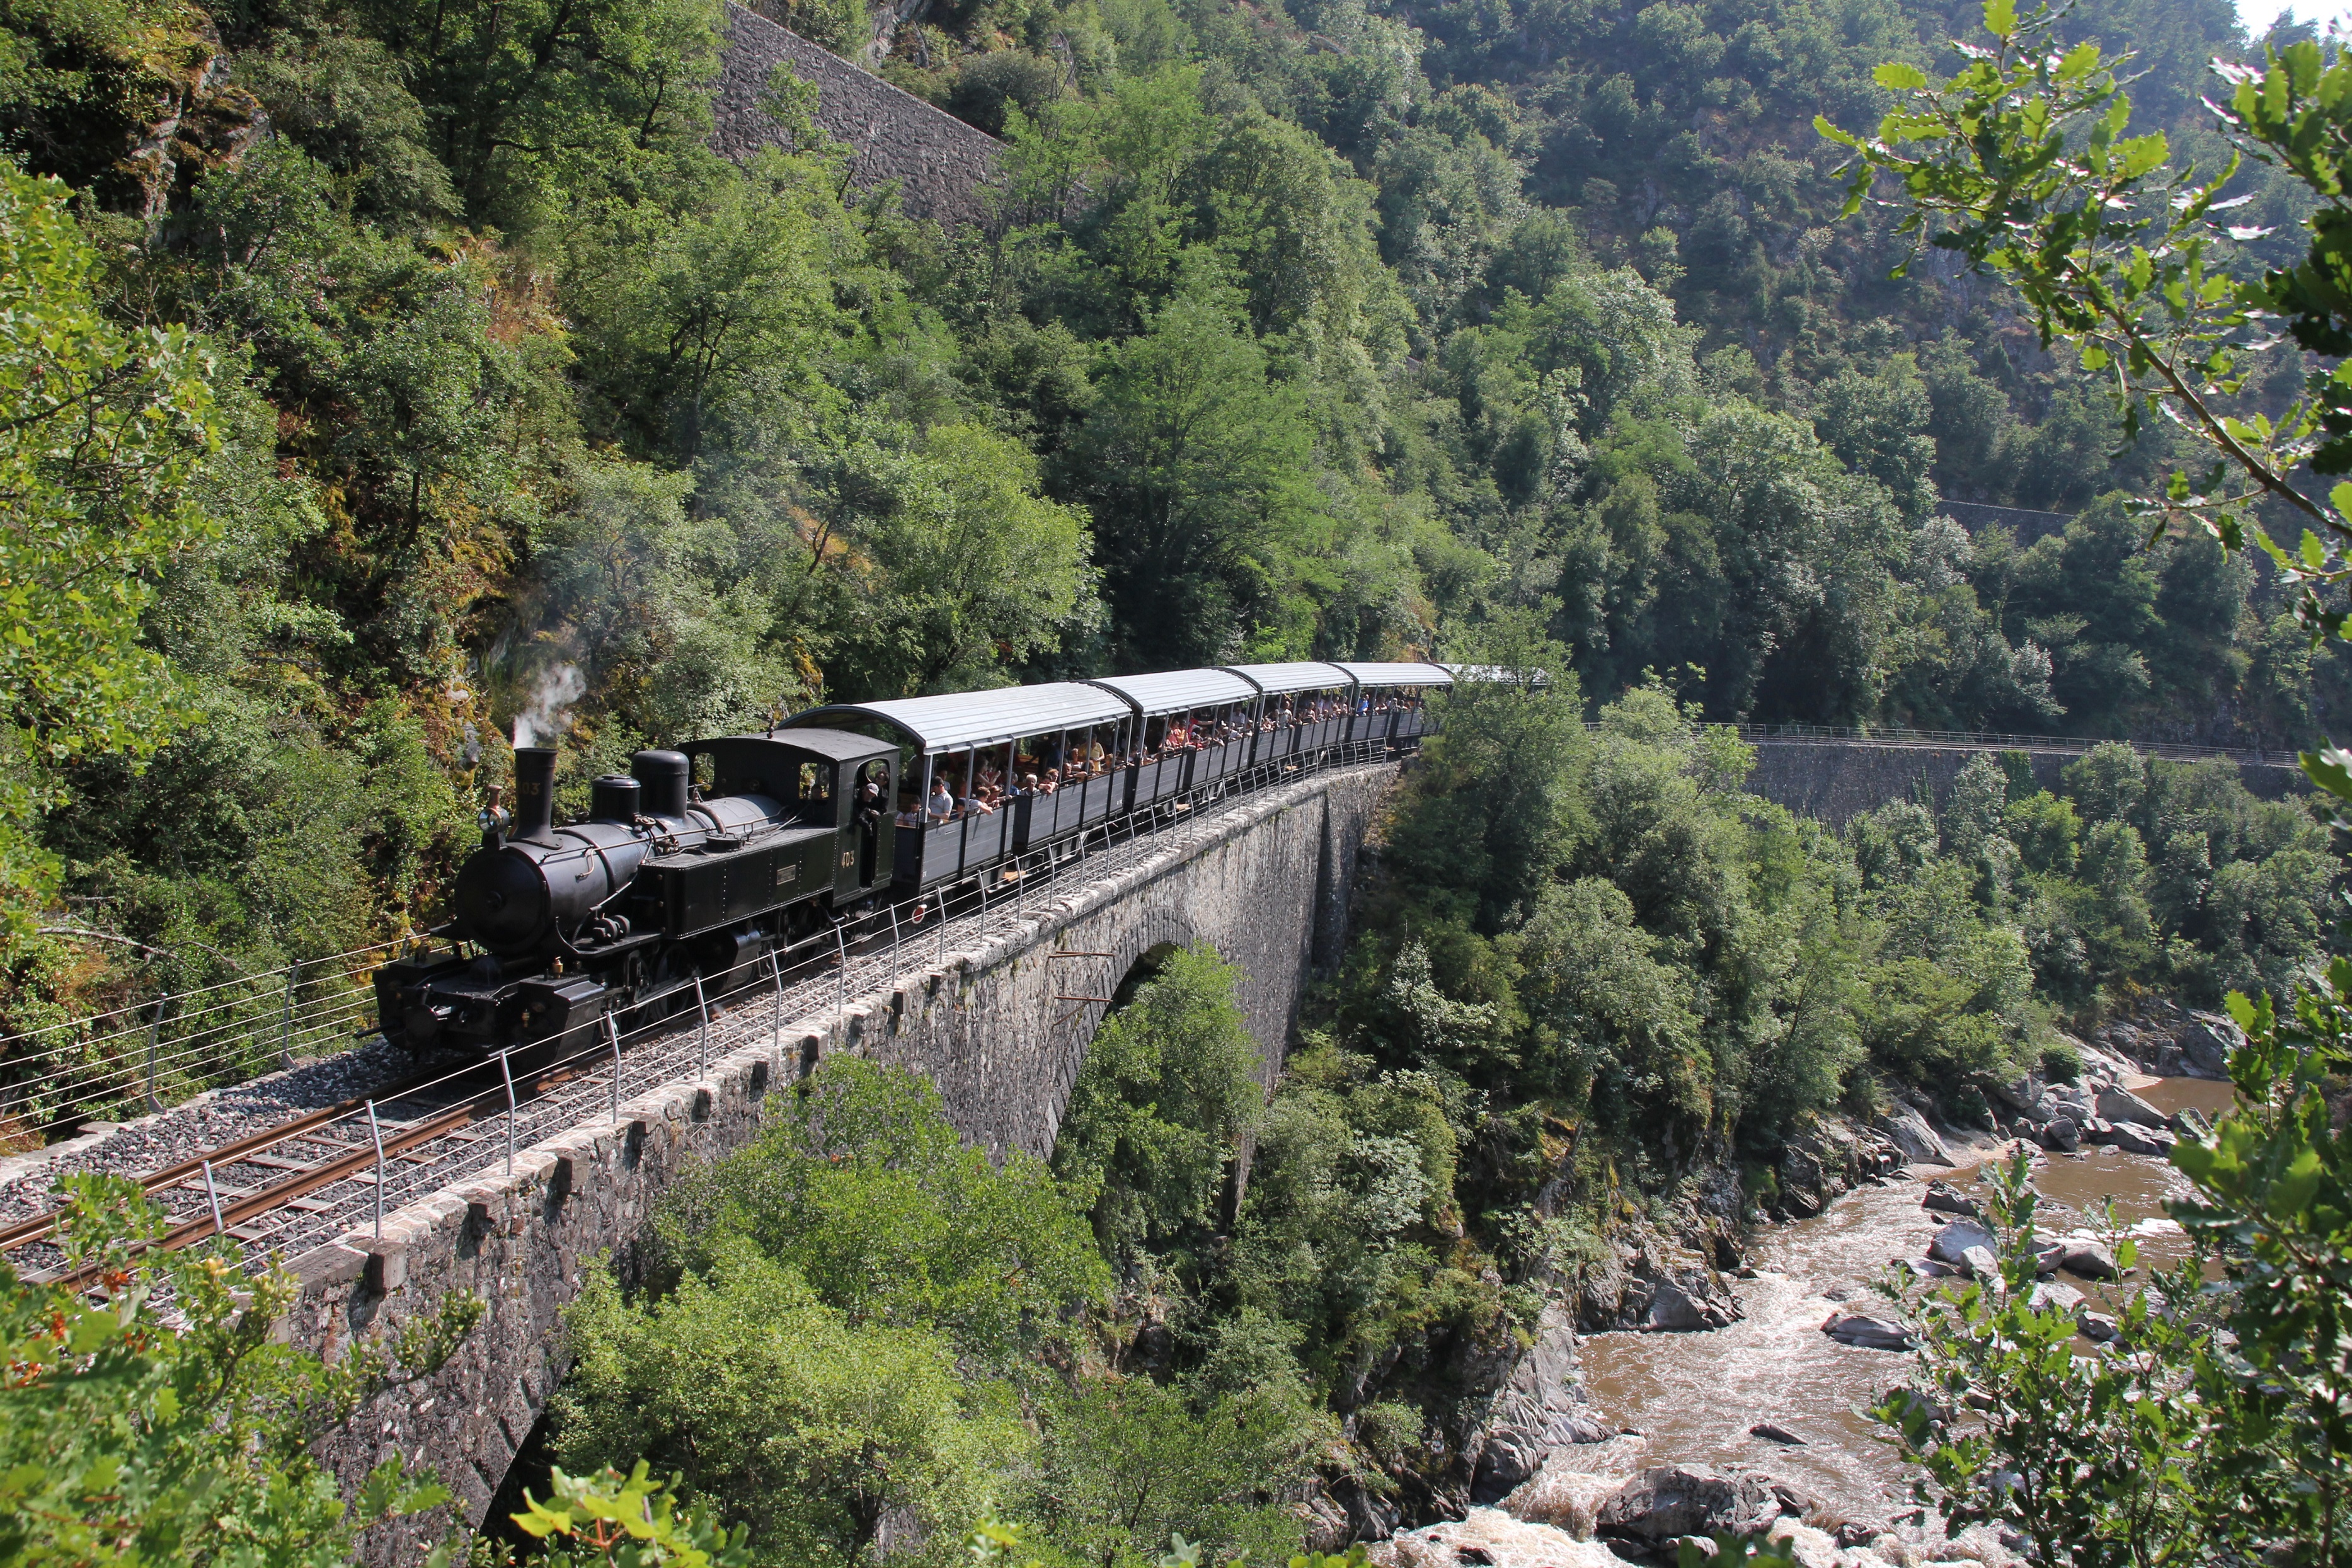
x=973, y=806
x=908, y=817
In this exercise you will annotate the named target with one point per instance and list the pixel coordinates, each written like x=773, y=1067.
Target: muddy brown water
x=1694, y=1395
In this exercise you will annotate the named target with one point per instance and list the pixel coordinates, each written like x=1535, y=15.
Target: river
x=1694, y=1395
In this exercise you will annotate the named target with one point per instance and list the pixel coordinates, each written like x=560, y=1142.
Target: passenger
x=942, y=802
x=989, y=778
x=908, y=817
x=1029, y=784
x=973, y=806
x=1094, y=754
x=1053, y=781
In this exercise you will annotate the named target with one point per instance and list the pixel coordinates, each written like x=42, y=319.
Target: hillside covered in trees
x=427, y=375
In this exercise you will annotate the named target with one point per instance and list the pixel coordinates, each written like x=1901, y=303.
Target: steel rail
x=228, y=1153
x=300, y=1184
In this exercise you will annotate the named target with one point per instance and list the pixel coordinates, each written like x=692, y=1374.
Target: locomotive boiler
x=697, y=861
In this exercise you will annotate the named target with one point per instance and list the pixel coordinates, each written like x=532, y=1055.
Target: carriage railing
x=160, y=1052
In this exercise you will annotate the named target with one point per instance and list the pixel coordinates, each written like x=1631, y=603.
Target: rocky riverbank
x=1687, y=1326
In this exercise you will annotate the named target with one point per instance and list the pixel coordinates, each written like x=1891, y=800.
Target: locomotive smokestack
x=664, y=776
x=534, y=793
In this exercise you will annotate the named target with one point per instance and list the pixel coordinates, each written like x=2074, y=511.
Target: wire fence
x=143, y=1058
x=155, y=1053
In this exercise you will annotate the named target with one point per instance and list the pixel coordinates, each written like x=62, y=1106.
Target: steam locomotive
x=702, y=860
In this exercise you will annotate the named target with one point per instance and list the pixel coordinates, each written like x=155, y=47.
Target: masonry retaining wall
x=943, y=166
x=1837, y=780
x=1265, y=881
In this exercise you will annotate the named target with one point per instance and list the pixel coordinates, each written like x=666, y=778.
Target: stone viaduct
x=1266, y=879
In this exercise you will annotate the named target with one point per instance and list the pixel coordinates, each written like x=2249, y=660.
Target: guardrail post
x=375, y=1135
x=841, y=952
x=155, y=1038
x=893, y=941
x=212, y=1196
x=776, y=1024
x=614, y=1030
x=507, y=1073
x=702, y=1023
x=286, y=1026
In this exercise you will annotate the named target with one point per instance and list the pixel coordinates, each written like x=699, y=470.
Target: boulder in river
x=1952, y=1242
x=1909, y=1131
x=1944, y=1198
x=2063, y=1135
x=2098, y=1327
x=2051, y=1293
x=1671, y=1500
x=2090, y=1259
x=2188, y=1122
x=2123, y=1105
x=2133, y=1140
x=1981, y=1264
x=1867, y=1331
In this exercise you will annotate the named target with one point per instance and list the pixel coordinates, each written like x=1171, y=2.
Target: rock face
x=1654, y=1285
x=1540, y=1408
x=1867, y=1331
x=2061, y=1134
x=1909, y=1131
x=2166, y=1040
x=1672, y=1500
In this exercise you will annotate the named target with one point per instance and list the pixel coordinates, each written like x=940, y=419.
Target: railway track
x=339, y=1168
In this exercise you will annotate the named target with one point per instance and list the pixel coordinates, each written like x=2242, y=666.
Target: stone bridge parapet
x=1266, y=879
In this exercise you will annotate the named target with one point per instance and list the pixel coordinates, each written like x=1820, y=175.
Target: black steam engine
x=554, y=928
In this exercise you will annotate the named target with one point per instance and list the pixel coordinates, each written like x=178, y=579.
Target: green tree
x=782, y=1413
x=627, y=1521
x=103, y=431
x=158, y=1418
x=863, y=1189
x=1170, y=1088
